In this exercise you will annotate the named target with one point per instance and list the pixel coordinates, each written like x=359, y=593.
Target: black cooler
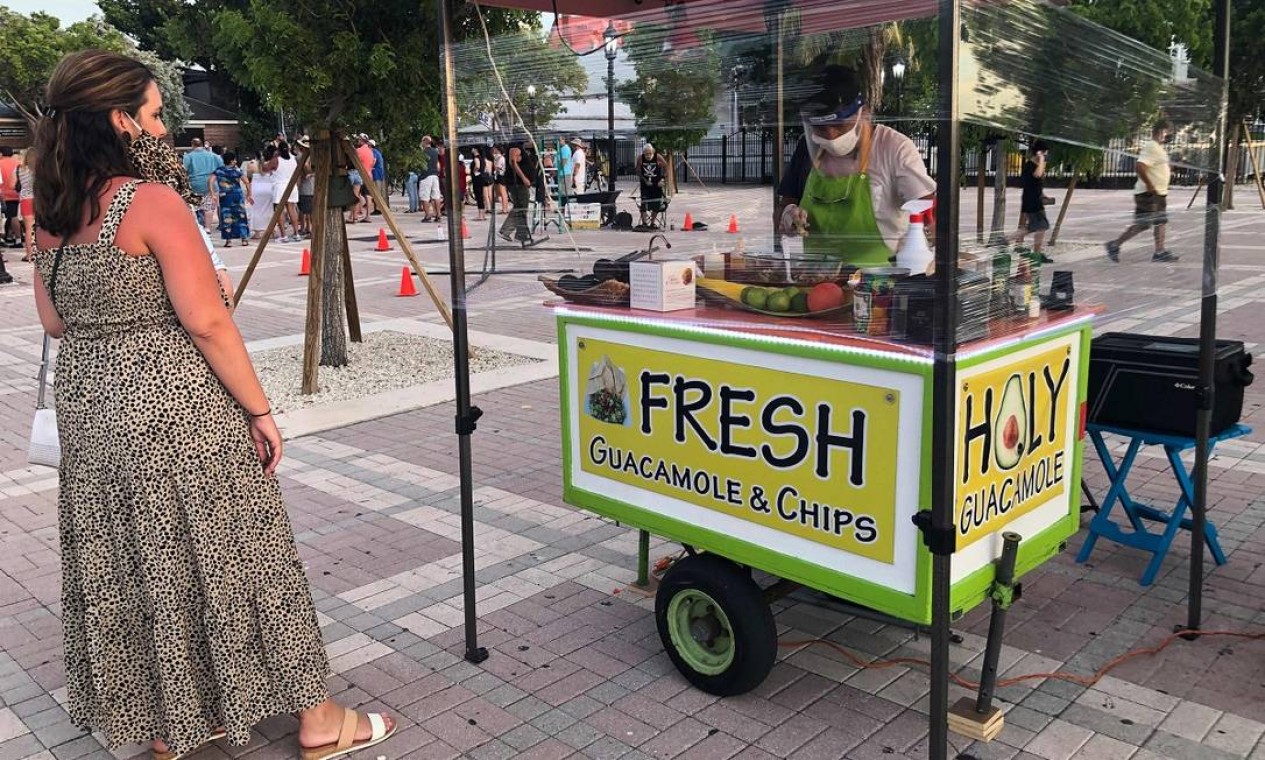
x=1148, y=382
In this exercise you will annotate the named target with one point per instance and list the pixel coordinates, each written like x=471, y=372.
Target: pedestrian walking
x=1150, y=195
x=1032, y=218
x=379, y=172
x=520, y=180
x=499, y=188
x=579, y=164
x=232, y=193
x=199, y=164
x=26, y=200
x=481, y=179
x=283, y=166
x=185, y=610
x=261, y=193
x=10, y=197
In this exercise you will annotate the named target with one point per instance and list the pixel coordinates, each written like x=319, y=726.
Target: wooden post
x=400, y=237
x=1256, y=167
x=272, y=225
x=980, y=182
x=1067, y=201
x=349, y=297
x=312, y=326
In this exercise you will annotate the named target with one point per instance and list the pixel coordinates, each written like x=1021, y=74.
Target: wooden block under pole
x=982, y=727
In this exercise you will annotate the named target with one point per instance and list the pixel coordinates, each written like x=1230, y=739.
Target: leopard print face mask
x=156, y=161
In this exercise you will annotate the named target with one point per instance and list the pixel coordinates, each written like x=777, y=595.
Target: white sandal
x=345, y=745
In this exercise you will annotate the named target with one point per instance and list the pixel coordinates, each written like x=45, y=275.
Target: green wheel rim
x=701, y=632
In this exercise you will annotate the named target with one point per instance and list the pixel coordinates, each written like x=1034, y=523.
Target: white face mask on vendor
x=842, y=145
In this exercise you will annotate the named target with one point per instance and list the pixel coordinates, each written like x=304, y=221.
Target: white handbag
x=45, y=446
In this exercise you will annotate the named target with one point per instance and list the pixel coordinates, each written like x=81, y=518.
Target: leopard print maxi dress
x=185, y=606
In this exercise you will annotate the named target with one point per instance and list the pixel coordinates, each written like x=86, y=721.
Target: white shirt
x=1157, y=168
x=578, y=160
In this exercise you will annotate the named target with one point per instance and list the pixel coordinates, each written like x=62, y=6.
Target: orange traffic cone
x=733, y=224
x=689, y=222
x=383, y=245
x=465, y=231
x=406, y=283
x=305, y=265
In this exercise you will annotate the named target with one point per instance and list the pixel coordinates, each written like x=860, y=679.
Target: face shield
x=832, y=125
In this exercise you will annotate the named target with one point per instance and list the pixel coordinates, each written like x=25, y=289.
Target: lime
x=800, y=303
x=791, y=291
x=754, y=297
x=779, y=301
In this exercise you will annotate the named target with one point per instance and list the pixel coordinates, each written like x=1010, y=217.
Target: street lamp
x=898, y=72
x=612, y=48
x=531, y=110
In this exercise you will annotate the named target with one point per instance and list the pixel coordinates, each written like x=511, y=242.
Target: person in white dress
x=283, y=166
x=261, y=193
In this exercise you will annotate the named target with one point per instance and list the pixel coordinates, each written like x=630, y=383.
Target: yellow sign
x=1015, y=440
x=811, y=456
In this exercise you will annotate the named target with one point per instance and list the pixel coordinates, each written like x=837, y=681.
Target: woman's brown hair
x=79, y=150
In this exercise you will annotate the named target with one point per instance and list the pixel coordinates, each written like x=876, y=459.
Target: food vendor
x=849, y=177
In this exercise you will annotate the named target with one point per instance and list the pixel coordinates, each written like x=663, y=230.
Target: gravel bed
x=387, y=360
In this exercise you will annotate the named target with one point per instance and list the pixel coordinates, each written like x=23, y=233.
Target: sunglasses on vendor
x=834, y=126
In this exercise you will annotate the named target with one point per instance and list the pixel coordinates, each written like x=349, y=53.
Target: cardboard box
x=662, y=285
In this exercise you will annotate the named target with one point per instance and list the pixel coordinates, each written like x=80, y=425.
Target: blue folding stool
x=1141, y=538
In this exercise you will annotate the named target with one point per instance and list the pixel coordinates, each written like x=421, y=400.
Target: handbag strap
x=48, y=339
x=39, y=400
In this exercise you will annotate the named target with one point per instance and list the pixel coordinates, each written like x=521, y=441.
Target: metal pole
x=610, y=121
x=937, y=525
x=467, y=415
x=643, y=558
x=1003, y=587
x=1208, y=322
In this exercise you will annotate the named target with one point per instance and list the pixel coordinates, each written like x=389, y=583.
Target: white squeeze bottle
x=914, y=254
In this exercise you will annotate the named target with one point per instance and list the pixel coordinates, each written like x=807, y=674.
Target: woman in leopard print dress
x=185, y=608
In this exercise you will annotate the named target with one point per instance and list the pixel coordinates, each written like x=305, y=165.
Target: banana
x=730, y=290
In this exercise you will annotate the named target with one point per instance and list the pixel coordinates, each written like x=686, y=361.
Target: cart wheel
x=715, y=625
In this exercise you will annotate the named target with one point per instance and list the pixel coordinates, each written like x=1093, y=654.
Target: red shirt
x=9, y=178
x=365, y=153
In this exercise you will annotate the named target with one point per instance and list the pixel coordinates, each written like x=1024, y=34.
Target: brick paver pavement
x=576, y=666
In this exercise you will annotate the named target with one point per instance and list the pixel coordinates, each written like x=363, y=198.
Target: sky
x=69, y=11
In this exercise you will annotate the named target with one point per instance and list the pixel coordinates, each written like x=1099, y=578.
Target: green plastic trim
x=712, y=656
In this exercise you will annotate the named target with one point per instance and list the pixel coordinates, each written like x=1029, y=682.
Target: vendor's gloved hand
x=794, y=220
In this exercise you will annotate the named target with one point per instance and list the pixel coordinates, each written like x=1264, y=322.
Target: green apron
x=841, y=221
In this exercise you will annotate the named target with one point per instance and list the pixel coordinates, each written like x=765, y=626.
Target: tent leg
x=1208, y=328
x=467, y=415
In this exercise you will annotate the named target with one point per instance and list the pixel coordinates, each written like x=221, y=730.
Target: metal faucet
x=651, y=247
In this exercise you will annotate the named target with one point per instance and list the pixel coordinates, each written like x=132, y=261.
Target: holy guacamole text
x=1015, y=442
x=802, y=455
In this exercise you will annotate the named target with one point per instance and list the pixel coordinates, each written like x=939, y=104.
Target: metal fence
x=747, y=158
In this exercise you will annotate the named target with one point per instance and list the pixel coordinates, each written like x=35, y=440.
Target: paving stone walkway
x=576, y=667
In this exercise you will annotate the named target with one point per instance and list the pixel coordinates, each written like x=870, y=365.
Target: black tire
x=742, y=664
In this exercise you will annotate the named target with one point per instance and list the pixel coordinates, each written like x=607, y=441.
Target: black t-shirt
x=529, y=164
x=1033, y=188
x=795, y=174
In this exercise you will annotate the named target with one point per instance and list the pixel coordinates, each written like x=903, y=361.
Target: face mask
x=156, y=161
x=842, y=145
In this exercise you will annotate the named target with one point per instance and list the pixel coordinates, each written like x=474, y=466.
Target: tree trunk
x=997, y=234
x=330, y=248
x=671, y=155
x=1067, y=201
x=1232, y=168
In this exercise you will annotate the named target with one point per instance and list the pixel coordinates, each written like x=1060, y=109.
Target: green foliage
x=31, y=46
x=523, y=58
x=1155, y=22
x=673, y=94
x=362, y=65
x=1247, y=59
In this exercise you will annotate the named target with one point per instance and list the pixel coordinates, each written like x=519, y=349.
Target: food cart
x=807, y=454
x=916, y=470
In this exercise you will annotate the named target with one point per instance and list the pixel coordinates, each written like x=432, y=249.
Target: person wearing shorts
x=26, y=201
x=1150, y=196
x=428, y=190
x=1032, y=218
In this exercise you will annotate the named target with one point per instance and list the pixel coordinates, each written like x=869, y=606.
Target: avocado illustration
x=1011, y=427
